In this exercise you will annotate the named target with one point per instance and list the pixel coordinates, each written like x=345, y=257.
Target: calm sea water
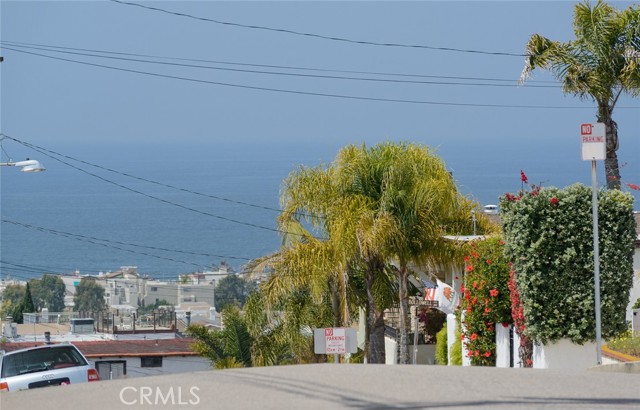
x=71, y=220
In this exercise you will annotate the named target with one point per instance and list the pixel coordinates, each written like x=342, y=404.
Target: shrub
x=456, y=351
x=442, y=347
x=485, y=299
x=549, y=239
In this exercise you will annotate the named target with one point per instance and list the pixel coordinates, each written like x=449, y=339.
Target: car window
x=38, y=360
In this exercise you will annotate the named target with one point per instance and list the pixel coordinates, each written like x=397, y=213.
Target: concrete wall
x=170, y=365
x=564, y=355
x=635, y=290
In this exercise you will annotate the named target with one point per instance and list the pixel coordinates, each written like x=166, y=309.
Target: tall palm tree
x=372, y=207
x=601, y=63
x=413, y=203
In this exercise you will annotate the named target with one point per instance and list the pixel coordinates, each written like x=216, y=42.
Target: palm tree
x=413, y=203
x=226, y=348
x=601, y=63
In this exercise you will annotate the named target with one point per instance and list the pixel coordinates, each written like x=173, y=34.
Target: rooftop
x=121, y=348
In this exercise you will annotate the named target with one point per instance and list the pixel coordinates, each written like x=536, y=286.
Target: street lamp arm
x=29, y=165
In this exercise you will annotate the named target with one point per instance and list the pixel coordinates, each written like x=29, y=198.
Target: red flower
x=469, y=353
x=466, y=258
x=477, y=353
x=474, y=284
x=474, y=337
x=461, y=337
x=470, y=268
x=523, y=177
x=501, y=242
x=635, y=187
x=505, y=324
x=493, y=292
x=487, y=310
x=487, y=354
x=553, y=201
x=489, y=262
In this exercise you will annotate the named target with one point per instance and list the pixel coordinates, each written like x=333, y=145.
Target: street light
x=29, y=165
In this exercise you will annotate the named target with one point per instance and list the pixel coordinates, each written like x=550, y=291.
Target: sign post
x=593, y=138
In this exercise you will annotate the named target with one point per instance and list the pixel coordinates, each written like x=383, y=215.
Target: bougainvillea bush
x=549, y=238
x=485, y=300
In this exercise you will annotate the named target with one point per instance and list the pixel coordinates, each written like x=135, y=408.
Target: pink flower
x=493, y=292
x=523, y=177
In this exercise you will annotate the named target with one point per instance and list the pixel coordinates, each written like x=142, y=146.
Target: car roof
x=51, y=346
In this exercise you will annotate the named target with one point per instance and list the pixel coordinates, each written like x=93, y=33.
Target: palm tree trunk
x=404, y=318
x=611, y=166
x=377, y=351
x=335, y=304
x=375, y=317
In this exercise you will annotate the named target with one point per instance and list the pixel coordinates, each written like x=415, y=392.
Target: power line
x=95, y=241
x=320, y=36
x=285, y=67
x=46, y=152
x=35, y=148
x=92, y=238
x=32, y=146
x=332, y=77
x=296, y=92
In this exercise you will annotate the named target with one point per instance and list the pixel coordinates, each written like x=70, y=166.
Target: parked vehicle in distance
x=43, y=366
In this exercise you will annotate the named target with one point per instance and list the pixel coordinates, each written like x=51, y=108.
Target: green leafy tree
x=232, y=290
x=553, y=268
x=48, y=292
x=89, y=297
x=11, y=297
x=153, y=306
x=601, y=63
x=25, y=306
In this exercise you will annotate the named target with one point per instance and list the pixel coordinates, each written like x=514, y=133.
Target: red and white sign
x=593, y=138
x=335, y=340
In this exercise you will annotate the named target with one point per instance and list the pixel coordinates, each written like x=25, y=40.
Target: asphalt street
x=331, y=386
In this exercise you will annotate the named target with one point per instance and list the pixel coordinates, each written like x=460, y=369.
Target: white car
x=42, y=366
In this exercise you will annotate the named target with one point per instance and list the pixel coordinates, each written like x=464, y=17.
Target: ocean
x=66, y=220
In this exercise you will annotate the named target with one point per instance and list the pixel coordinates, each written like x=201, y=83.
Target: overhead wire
x=279, y=73
x=297, y=92
x=35, y=148
x=320, y=36
x=285, y=67
x=217, y=197
x=93, y=239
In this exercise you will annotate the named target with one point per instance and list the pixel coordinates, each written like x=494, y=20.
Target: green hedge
x=549, y=239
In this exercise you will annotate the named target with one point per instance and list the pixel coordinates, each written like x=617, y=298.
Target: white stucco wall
x=564, y=355
x=635, y=290
x=391, y=351
x=170, y=365
x=503, y=346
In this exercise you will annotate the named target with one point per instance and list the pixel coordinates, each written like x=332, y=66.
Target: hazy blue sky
x=109, y=116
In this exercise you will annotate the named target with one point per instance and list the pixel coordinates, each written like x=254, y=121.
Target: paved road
x=330, y=386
